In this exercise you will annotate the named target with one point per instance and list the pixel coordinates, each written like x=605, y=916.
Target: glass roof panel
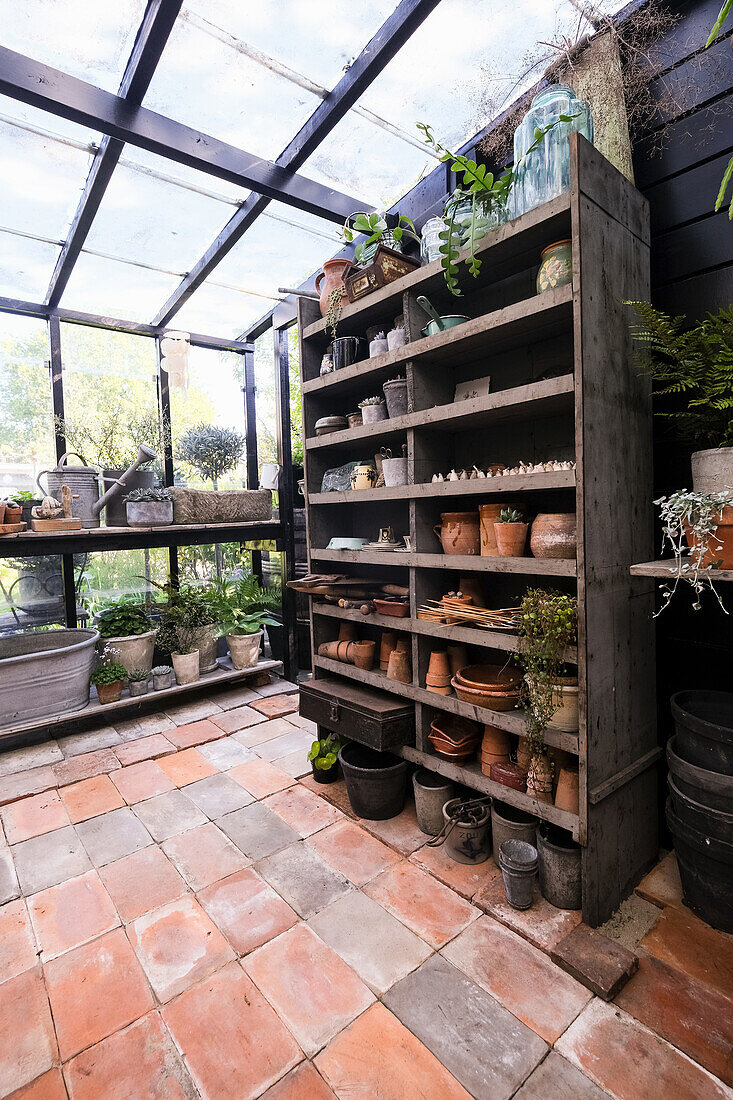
x=89, y=41
x=26, y=267
x=113, y=289
x=211, y=86
x=217, y=311
x=144, y=162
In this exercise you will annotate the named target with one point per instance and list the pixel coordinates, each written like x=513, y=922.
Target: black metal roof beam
x=155, y=29
x=391, y=36
x=58, y=93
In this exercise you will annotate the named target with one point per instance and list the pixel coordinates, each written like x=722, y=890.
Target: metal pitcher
x=84, y=482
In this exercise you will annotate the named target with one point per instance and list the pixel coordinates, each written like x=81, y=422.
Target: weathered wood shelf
x=541, y=567
x=666, y=570
x=516, y=483
x=89, y=540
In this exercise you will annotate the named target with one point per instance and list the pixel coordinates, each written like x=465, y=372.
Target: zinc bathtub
x=45, y=674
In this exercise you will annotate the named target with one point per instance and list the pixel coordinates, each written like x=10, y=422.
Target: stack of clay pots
x=399, y=665
x=495, y=687
x=495, y=747
x=358, y=653
x=439, y=675
x=454, y=738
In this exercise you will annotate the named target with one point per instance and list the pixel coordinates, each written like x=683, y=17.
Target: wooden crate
x=386, y=267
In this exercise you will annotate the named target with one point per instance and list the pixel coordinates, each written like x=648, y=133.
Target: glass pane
x=27, y=443
x=31, y=593
x=113, y=289
x=92, y=42
x=26, y=267
x=105, y=577
x=110, y=395
x=214, y=399
x=217, y=311
x=197, y=564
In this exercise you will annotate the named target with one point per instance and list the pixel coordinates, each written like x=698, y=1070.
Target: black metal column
x=57, y=385
x=285, y=495
x=166, y=438
x=249, y=392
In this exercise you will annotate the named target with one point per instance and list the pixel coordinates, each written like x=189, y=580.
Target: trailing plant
x=108, y=672
x=242, y=606
x=323, y=754
x=148, y=496
x=211, y=450
x=333, y=312
x=691, y=517
x=123, y=619
x=484, y=194
x=548, y=624
x=138, y=676
x=695, y=364
x=509, y=515
x=723, y=14
x=378, y=226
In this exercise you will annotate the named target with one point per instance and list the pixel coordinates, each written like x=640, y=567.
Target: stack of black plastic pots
x=700, y=803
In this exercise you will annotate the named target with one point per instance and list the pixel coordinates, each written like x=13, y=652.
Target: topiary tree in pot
x=211, y=450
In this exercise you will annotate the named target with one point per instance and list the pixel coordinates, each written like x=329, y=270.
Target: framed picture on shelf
x=476, y=387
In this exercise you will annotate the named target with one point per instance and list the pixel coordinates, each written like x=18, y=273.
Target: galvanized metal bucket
x=83, y=481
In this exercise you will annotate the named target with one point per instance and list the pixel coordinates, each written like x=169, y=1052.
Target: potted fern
x=243, y=608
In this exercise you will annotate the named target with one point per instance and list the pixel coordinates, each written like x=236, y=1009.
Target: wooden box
x=387, y=266
x=358, y=713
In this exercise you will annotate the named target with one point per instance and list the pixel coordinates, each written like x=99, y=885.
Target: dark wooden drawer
x=358, y=713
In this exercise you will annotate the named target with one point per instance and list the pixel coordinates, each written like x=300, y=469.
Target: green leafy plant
x=25, y=494
x=211, y=450
x=242, y=606
x=323, y=754
x=694, y=517
x=123, y=619
x=548, y=624
x=148, y=496
x=509, y=515
x=111, y=436
x=108, y=672
x=138, y=676
x=472, y=209
x=728, y=173
x=333, y=312
x=695, y=364
x=378, y=227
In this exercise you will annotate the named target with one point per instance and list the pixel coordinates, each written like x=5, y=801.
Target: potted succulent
x=138, y=682
x=162, y=675
x=13, y=510
x=511, y=533
x=704, y=522
x=149, y=508
x=323, y=756
x=108, y=678
x=373, y=409
x=243, y=608
x=127, y=630
x=379, y=227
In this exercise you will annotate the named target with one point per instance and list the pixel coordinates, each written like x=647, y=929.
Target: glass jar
x=556, y=266
x=430, y=241
x=545, y=173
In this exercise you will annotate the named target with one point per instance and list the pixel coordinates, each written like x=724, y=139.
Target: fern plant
x=723, y=14
x=694, y=364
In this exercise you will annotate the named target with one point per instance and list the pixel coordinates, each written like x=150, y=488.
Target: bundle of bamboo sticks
x=500, y=618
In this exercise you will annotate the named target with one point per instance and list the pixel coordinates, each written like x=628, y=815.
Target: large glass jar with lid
x=545, y=173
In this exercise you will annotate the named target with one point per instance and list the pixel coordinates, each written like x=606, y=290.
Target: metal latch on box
x=334, y=714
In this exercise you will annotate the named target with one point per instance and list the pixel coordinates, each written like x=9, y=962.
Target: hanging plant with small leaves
x=333, y=313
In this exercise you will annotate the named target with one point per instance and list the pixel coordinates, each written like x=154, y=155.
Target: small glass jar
x=556, y=266
x=326, y=364
x=545, y=173
x=430, y=241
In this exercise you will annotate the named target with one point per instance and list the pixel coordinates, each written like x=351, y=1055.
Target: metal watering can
x=84, y=482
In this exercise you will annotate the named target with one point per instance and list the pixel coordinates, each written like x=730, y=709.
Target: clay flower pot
x=456, y=602
x=720, y=545
x=439, y=674
x=13, y=515
x=457, y=658
x=488, y=515
x=554, y=535
x=363, y=654
x=510, y=775
x=345, y=652
x=539, y=779
x=330, y=650
x=511, y=539
x=459, y=532
x=186, y=666
x=494, y=748
x=403, y=645
x=566, y=795
x=387, y=644
x=399, y=667
x=347, y=632
x=109, y=693
x=328, y=279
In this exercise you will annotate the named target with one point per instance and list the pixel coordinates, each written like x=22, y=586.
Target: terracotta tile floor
x=184, y=913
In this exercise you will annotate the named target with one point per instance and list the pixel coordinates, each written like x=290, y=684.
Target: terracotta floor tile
x=73, y=913
x=266, y=730
x=192, y=711
x=557, y=1079
x=305, y=723
x=295, y=764
x=232, y=721
x=335, y=793
x=401, y=832
x=260, y=778
x=194, y=733
x=300, y=876
x=662, y=886
x=112, y=836
x=276, y=706
x=186, y=767
x=48, y=1087
x=683, y=941
x=689, y=1015
x=378, y=1057
x=242, y=1049
x=430, y=909
x=9, y=888
x=168, y=814
x=302, y=1083
x=348, y=849
x=141, y=882
x=542, y=924
x=177, y=945
x=601, y=964
x=291, y=740
x=17, y=946
x=627, y=1060
x=33, y=816
x=226, y=752
x=138, y=1063
x=29, y=757
x=218, y=795
x=465, y=879
x=22, y=784
x=136, y=782
x=233, y=697
x=204, y=855
x=303, y=811
x=277, y=685
x=85, y=766
x=247, y=910
x=144, y=725
x=28, y=1046
x=519, y=976
x=49, y=859
x=91, y=797
x=89, y=741
x=313, y=991
x=144, y=748
x=95, y=990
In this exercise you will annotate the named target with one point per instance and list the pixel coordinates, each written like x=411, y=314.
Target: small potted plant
x=138, y=682
x=27, y=501
x=13, y=510
x=108, y=678
x=511, y=533
x=162, y=675
x=190, y=614
x=243, y=609
x=373, y=409
x=704, y=523
x=379, y=227
x=323, y=755
x=180, y=642
x=149, y=508
x=128, y=631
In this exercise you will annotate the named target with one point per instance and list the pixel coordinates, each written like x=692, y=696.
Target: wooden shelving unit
x=665, y=570
x=562, y=387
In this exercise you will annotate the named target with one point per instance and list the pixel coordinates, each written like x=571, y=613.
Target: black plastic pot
x=708, y=788
x=327, y=775
x=375, y=782
x=714, y=823
x=559, y=867
x=706, y=871
x=276, y=634
x=703, y=722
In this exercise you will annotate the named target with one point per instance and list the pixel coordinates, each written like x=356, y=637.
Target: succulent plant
x=371, y=401
x=161, y=670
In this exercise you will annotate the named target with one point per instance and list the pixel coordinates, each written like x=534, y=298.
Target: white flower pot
x=133, y=651
x=205, y=640
x=712, y=471
x=565, y=717
x=186, y=667
x=244, y=649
